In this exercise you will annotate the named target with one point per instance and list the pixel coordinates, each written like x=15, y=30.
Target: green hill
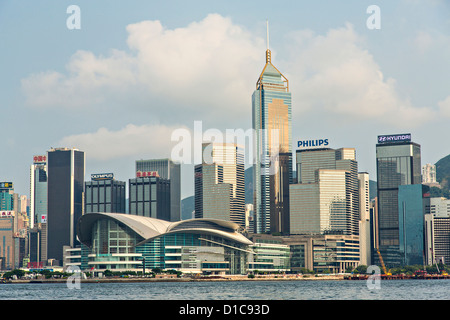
x=443, y=172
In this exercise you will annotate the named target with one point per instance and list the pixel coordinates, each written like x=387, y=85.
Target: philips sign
x=394, y=138
x=312, y=143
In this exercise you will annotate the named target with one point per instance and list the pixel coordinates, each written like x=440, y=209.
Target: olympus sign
x=102, y=176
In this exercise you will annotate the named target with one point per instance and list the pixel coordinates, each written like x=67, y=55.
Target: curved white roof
x=149, y=228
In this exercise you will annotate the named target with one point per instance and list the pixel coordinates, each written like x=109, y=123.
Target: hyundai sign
x=392, y=138
x=312, y=143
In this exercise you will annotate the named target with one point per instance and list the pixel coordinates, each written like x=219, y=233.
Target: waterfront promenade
x=185, y=279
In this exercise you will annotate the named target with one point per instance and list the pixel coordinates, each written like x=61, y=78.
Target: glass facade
x=298, y=257
x=215, y=196
x=6, y=200
x=113, y=246
x=411, y=224
x=269, y=256
x=271, y=118
x=397, y=164
x=65, y=198
x=192, y=247
x=335, y=254
x=105, y=196
x=167, y=169
x=194, y=252
x=220, y=184
x=7, y=243
x=38, y=194
x=150, y=197
x=326, y=198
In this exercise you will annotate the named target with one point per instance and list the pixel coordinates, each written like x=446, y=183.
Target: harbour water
x=232, y=290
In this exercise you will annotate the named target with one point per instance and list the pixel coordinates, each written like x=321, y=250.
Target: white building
x=437, y=231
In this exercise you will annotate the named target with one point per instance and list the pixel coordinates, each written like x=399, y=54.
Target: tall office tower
x=37, y=245
x=65, y=181
x=249, y=218
x=6, y=196
x=364, y=219
x=271, y=117
x=398, y=163
x=411, y=223
x=326, y=198
x=166, y=169
x=104, y=194
x=149, y=196
x=437, y=230
x=38, y=190
x=374, y=239
x=7, y=239
x=220, y=183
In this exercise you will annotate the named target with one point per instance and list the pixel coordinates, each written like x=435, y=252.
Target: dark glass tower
x=398, y=163
x=167, y=169
x=65, y=180
x=150, y=197
x=104, y=194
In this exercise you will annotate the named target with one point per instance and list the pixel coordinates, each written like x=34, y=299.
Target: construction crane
x=385, y=272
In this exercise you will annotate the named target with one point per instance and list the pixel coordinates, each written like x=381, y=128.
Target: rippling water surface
x=244, y=290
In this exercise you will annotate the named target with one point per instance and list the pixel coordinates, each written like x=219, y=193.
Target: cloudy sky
x=137, y=71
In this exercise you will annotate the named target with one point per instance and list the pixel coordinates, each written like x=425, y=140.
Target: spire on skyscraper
x=268, y=53
x=269, y=68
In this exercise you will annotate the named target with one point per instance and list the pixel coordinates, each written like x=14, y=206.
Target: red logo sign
x=142, y=174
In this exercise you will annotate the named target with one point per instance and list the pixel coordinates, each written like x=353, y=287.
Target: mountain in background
x=443, y=177
x=443, y=172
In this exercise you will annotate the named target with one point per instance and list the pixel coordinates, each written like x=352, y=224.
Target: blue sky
x=138, y=70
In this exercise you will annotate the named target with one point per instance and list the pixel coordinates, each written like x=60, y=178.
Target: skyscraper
x=104, y=194
x=365, y=233
x=65, y=198
x=326, y=198
x=398, y=163
x=219, y=183
x=411, y=223
x=149, y=196
x=166, y=169
x=38, y=190
x=437, y=230
x=271, y=117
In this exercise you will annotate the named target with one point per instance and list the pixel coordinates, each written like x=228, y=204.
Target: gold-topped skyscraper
x=272, y=171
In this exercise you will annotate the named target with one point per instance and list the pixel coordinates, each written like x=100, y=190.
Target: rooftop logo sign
x=394, y=138
x=102, y=176
x=312, y=143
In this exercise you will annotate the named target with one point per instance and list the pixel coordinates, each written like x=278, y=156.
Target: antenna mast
x=268, y=53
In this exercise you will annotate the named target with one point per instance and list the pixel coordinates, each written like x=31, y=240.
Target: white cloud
x=423, y=41
x=132, y=140
x=444, y=107
x=335, y=76
x=208, y=67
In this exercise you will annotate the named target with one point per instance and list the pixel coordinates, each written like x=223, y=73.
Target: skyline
x=101, y=88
